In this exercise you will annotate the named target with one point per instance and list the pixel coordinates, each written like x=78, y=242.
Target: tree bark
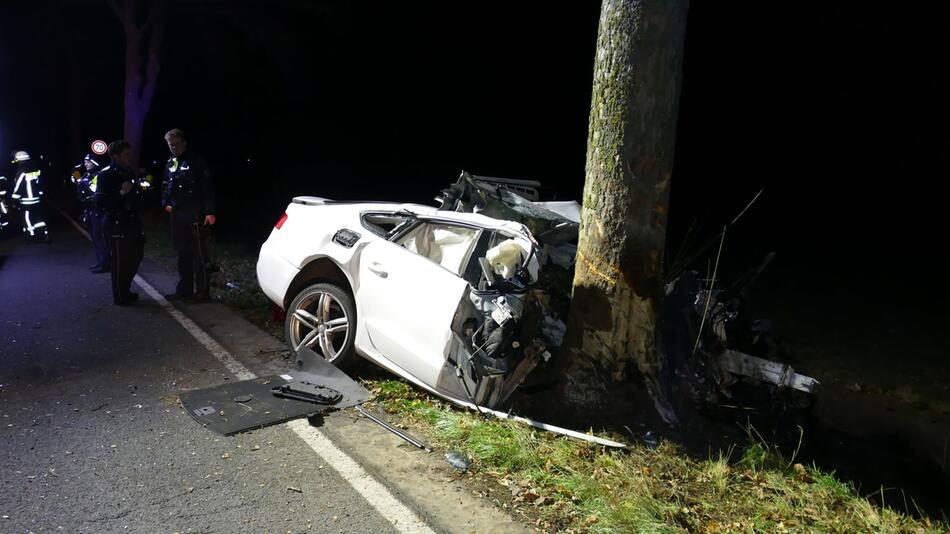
x=142, y=65
x=618, y=279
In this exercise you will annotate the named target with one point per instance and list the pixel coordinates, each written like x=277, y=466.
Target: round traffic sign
x=99, y=147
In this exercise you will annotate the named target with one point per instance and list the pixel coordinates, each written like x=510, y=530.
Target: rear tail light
x=281, y=221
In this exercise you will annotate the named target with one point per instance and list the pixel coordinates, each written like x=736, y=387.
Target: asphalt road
x=92, y=438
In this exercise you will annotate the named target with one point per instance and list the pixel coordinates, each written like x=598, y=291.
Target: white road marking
x=402, y=518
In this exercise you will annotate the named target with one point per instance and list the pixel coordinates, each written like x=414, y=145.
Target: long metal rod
x=511, y=417
x=558, y=430
x=409, y=439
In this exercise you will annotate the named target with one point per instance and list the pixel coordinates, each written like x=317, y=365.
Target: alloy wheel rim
x=320, y=323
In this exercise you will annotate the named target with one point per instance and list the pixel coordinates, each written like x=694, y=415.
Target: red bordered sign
x=99, y=147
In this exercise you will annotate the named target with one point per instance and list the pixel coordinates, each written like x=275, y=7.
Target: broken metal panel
x=251, y=404
x=525, y=188
x=569, y=209
x=497, y=199
x=779, y=374
x=247, y=405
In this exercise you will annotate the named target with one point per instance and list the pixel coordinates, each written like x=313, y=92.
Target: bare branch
x=153, y=66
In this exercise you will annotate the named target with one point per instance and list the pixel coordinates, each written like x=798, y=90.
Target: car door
x=409, y=292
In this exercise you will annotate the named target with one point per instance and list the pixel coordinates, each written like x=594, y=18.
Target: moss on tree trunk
x=618, y=277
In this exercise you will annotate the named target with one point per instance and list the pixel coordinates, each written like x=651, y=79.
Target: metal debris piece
x=779, y=374
x=304, y=390
x=650, y=440
x=409, y=439
x=458, y=461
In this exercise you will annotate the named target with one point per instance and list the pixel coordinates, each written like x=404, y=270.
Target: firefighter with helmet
x=28, y=191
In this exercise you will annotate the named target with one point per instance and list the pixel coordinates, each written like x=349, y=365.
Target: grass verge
x=565, y=485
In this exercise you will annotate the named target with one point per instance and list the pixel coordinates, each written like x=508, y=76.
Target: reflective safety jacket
x=187, y=185
x=27, y=189
x=86, y=190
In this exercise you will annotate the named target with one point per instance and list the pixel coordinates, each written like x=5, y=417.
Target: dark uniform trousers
x=127, y=244
x=190, y=239
x=99, y=238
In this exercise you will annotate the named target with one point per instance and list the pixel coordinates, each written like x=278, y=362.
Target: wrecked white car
x=437, y=297
x=467, y=299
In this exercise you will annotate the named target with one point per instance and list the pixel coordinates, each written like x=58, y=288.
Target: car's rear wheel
x=322, y=317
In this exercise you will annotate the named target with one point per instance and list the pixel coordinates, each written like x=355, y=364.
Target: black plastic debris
x=303, y=390
x=250, y=404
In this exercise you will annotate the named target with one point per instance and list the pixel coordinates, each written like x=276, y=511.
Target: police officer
x=188, y=196
x=85, y=192
x=28, y=191
x=116, y=199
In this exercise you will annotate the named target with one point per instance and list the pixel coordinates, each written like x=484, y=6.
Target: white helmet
x=21, y=155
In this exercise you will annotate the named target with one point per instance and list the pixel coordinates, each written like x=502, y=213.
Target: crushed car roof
x=418, y=209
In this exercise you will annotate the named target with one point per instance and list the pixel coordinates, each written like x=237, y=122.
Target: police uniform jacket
x=188, y=187
x=109, y=198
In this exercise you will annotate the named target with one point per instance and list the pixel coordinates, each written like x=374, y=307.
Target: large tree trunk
x=142, y=64
x=618, y=280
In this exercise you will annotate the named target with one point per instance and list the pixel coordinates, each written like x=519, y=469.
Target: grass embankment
x=565, y=485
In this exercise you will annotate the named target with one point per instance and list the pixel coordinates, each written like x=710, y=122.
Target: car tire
x=304, y=316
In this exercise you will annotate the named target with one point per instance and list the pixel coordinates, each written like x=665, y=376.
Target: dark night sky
x=839, y=112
